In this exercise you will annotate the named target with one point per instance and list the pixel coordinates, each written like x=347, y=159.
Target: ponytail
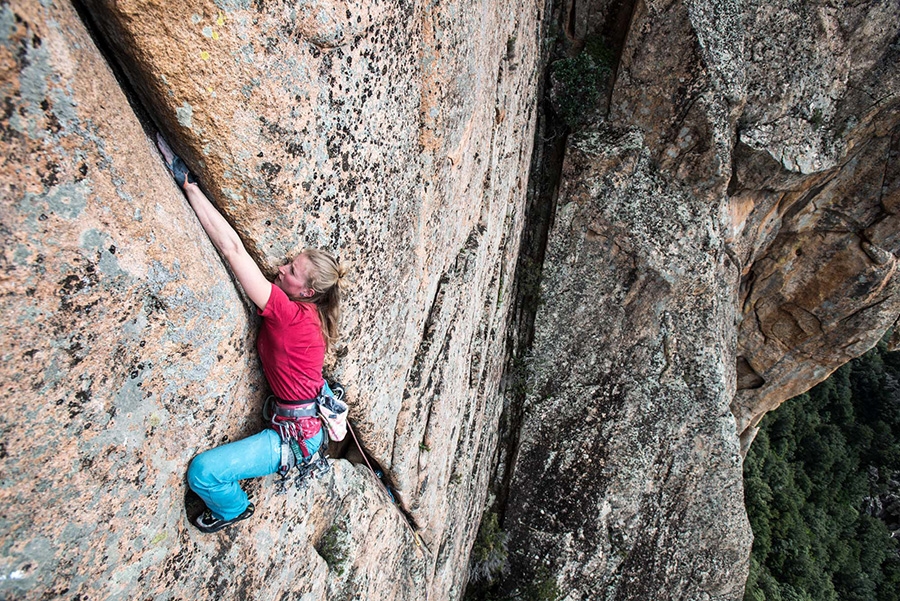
x=327, y=277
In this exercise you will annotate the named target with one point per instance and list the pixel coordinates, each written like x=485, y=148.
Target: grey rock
x=628, y=482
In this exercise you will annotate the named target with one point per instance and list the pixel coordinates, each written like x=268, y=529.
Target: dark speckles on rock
x=294, y=149
x=270, y=170
x=153, y=308
x=75, y=409
x=71, y=285
x=325, y=68
x=50, y=177
x=76, y=353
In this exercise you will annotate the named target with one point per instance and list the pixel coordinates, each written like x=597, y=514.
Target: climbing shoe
x=179, y=170
x=207, y=522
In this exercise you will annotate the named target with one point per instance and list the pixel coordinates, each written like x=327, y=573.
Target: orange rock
x=130, y=347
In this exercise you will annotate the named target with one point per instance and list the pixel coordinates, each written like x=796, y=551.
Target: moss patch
x=333, y=549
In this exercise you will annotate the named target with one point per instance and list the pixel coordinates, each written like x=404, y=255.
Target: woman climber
x=300, y=310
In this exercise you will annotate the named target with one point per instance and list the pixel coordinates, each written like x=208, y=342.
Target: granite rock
x=396, y=135
x=725, y=236
x=628, y=480
x=821, y=286
x=813, y=196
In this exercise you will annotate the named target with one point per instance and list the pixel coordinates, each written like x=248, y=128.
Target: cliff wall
x=397, y=135
x=724, y=237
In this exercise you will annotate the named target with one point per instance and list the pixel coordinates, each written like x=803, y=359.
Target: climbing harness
x=298, y=421
x=295, y=423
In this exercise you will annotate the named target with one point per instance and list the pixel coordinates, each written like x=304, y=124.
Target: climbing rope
x=419, y=543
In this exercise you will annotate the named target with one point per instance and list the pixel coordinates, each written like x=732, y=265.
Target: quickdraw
x=296, y=422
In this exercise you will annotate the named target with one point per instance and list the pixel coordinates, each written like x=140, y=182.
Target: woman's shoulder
x=282, y=308
x=308, y=310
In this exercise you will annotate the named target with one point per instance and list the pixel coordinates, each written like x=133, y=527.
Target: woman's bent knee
x=199, y=473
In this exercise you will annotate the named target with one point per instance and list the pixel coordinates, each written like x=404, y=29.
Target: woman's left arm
x=224, y=238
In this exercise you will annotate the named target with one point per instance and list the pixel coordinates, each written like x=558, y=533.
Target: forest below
x=822, y=490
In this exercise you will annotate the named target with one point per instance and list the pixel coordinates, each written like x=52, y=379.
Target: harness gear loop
x=296, y=422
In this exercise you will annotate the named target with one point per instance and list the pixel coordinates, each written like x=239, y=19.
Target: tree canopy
x=822, y=493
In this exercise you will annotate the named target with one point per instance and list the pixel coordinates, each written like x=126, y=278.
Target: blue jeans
x=214, y=474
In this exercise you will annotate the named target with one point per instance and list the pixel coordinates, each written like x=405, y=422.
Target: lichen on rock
x=633, y=336
x=364, y=128
x=725, y=235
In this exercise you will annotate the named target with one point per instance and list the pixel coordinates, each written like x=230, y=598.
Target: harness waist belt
x=301, y=411
x=292, y=403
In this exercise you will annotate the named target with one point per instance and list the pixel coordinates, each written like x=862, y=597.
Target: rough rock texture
x=814, y=196
x=825, y=287
x=396, y=134
x=628, y=483
x=821, y=78
x=731, y=225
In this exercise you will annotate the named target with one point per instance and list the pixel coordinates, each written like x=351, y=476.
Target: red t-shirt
x=291, y=347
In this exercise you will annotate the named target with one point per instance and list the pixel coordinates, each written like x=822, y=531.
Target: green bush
x=488, y=560
x=332, y=548
x=579, y=82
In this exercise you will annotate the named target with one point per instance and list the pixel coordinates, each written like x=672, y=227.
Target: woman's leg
x=313, y=444
x=214, y=474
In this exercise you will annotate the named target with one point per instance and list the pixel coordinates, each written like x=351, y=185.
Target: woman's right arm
x=224, y=238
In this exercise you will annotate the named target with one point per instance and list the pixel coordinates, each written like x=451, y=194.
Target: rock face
x=825, y=287
x=628, y=483
x=395, y=134
x=728, y=222
x=814, y=197
x=725, y=236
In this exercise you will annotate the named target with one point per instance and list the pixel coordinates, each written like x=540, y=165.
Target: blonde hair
x=326, y=276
